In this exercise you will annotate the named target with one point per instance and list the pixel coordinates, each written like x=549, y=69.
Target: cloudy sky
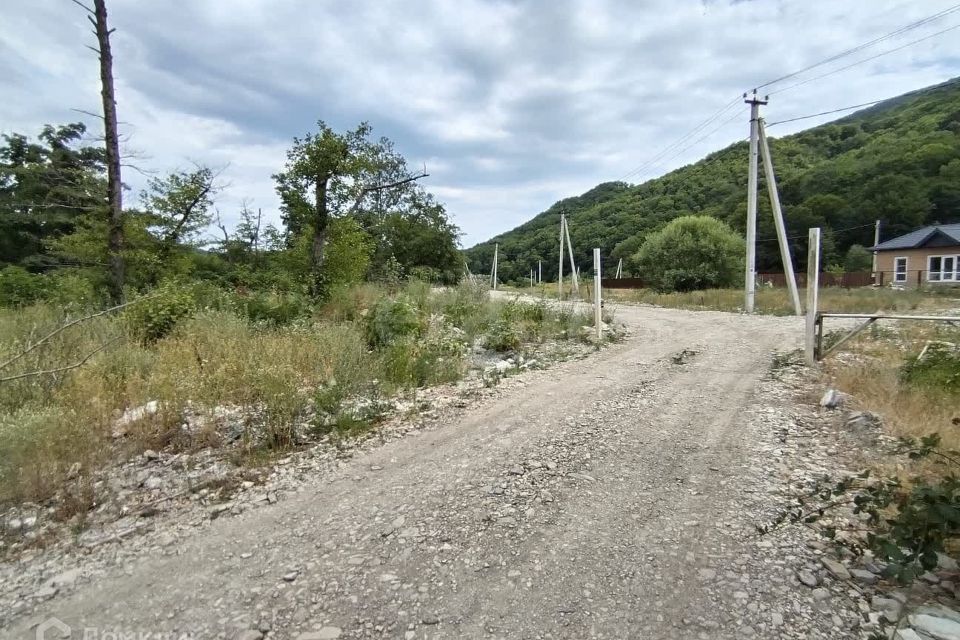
x=510, y=104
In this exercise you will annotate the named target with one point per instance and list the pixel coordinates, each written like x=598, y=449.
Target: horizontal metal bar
x=877, y=316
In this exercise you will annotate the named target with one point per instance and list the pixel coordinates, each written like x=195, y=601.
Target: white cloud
x=512, y=105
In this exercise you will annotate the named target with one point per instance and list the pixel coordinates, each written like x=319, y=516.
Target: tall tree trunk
x=115, y=239
x=320, y=222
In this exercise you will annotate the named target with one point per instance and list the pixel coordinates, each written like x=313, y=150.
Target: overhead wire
x=859, y=62
x=900, y=31
x=678, y=146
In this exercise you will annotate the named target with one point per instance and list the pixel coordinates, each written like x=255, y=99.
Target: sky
x=510, y=105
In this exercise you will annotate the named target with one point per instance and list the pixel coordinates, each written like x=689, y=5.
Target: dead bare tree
x=115, y=240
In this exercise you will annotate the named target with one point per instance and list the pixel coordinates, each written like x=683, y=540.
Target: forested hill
x=898, y=161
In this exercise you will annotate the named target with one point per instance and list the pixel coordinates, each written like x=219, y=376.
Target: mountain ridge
x=898, y=161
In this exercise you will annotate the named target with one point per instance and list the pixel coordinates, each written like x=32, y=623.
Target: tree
x=857, y=259
x=45, y=188
x=179, y=206
x=330, y=174
x=115, y=238
x=690, y=253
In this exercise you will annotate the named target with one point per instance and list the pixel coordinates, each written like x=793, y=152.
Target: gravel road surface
x=610, y=497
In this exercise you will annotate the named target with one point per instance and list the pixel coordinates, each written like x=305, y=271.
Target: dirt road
x=612, y=497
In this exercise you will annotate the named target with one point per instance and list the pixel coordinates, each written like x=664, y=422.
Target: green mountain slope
x=898, y=161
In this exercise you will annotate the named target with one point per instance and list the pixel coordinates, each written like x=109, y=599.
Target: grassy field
x=915, y=397
x=773, y=301
x=184, y=357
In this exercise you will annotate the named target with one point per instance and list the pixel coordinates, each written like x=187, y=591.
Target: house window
x=899, y=269
x=943, y=268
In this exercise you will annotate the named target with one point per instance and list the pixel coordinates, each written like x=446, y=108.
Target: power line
x=825, y=113
x=860, y=47
x=797, y=237
x=859, y=62
x=665, y=150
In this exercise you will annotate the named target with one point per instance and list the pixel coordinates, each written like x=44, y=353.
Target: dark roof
x=937, y=235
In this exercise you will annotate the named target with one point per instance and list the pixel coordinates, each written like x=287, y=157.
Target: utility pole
x=496, y=259
x=751, y=267
x=539, y=271
x=574, y=272
x=813, y=294
x=620, y=268
x=597, y=314
x=560, y=271
x=771, y=180
x=876, y=241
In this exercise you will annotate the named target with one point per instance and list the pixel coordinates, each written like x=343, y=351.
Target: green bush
x=691, y=253
x=937, y=370
x=19, y=287
x=157, y=315
x=503, y=335
x=392, y=319
x=277, y=309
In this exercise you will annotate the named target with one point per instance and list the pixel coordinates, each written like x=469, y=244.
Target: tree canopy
x=898, y=161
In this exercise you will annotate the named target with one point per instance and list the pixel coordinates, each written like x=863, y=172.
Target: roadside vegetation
x=166, y=370
x=905, y=381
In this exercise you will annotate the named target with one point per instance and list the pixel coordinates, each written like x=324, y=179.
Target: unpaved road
x=612, y=497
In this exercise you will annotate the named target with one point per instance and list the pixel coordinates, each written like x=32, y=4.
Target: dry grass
x=869, y=369
x=777, y=301
x=51, y=426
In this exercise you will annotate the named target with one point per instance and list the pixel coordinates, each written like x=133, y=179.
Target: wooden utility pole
x=813, y=294
x=539, y=271
x=785, y=256
x=620, y=268
x=750, y=276
x=115, y=236
x=496, y=260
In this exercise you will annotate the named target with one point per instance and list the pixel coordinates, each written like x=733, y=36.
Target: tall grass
x=274, y=368
x=776, y=301
x=875, y=369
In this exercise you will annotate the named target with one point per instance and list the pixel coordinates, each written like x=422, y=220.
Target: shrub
x=503, y=335
x=690, y=253
x=937, y=370
x=392, y=319
x=157, y=315
x=19, y=287
x=858, y=259
x=276, y=309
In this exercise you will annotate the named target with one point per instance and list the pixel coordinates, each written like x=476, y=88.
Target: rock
x=907, y=634
x=132, y=416
x=930, y=578
x=430, y=618
x=707, y=574
x=820, y=594
x=250, y=634
x=219, y=509
x=14, y=525
x=888, y=607
x=29, y=523
x=947, y=563
x=776, y=619
x=502, y=366
x=936, y=627
x=74, y=472
x=153, y=483
x=807, y=578
x=290, y=576
x=863, y=420
x=150, y=454
x=832, y=399
x=326, y=633
x=864, y=576
x=516, y=471
x=835, y=568
x=65, y=579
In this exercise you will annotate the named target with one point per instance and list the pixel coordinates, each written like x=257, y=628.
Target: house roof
x=943, y=234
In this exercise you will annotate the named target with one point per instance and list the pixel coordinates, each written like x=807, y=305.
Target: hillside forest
x=898, y=161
